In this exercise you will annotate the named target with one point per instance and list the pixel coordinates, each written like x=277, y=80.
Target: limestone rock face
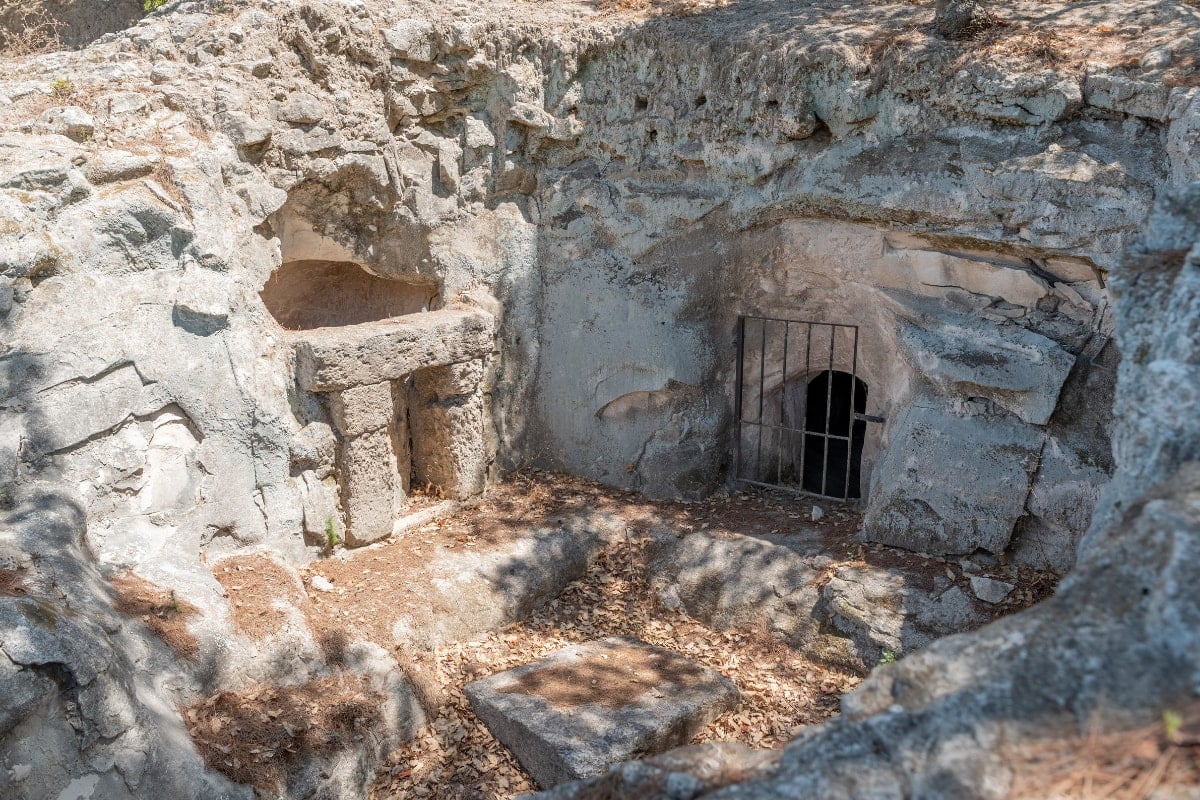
x=76, y=675
x=917, y=499
x=944, y=712
x=1018, y=370
x=586, y=203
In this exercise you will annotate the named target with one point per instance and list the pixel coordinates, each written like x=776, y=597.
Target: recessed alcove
x=303, y=295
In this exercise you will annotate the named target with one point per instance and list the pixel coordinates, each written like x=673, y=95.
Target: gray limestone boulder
x=892, y=611
x=990, y=590
x=1019, y=370
x=851, y=620
x=951, y=484
x=680, y=774
x=730, y=581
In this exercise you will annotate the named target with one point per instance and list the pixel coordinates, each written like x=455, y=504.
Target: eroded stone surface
x=851, y=619
x=450, y=428
x=588, y=706
x=620, y=196
x=373, y=458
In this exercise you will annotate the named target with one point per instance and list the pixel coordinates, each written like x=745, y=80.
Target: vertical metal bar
x=828, y=408
x=853, y=410
x=737, y=401
x=762, y=375
x=804, y=423
x=782, y=402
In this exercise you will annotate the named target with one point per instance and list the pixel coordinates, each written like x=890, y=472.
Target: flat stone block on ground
x=576, y=712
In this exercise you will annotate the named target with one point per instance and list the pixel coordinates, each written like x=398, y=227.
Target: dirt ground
x=361, y=594
x=457, y=758
x=12, y=583
x=159, y=610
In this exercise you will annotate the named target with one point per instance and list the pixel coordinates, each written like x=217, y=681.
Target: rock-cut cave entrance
x=800, y=407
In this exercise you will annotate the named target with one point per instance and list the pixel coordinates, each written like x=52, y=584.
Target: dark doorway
x=833, y=438
x=801, y=421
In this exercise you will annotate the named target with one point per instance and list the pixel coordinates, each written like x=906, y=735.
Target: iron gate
x=799, y=407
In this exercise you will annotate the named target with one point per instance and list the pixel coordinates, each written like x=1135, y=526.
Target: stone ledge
x=333, y=359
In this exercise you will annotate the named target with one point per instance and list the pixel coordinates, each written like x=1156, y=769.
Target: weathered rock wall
x=967, y=231
x=612, y=193
x=1115, y=647
x=618, y=174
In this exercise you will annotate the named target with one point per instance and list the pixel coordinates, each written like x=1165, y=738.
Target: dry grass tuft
x=1119, y=764
x=661, y=8
x=164, y=176
x=29, y=31
x=1044, y=46
x=256, y=736
x=159, y=610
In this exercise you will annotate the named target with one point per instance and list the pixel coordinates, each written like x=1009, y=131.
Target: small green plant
x=888, y=657
x=1172, y=722
x=61, y=88
x=175, y=607
x=331, y=534
x=152, y=5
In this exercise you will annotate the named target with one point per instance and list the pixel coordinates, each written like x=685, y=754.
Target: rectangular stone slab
x=588, y=706
x=332, y=359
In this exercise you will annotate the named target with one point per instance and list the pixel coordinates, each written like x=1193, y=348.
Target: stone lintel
x=334, y=359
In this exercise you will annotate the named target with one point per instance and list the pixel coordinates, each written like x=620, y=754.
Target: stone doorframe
x=365, y=371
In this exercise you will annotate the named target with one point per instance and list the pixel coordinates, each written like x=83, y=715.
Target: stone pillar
x=448, y=414
x=373, y=458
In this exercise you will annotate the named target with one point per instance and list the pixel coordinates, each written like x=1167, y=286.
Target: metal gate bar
x=782, y=431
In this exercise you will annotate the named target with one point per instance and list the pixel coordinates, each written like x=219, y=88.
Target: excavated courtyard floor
x=361, y=594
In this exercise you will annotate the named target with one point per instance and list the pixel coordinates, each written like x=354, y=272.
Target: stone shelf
x=334, y=359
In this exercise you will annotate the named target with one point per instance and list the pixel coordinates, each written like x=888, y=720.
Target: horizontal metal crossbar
x=779, y=487
x=798, y=431
x=800, y=322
